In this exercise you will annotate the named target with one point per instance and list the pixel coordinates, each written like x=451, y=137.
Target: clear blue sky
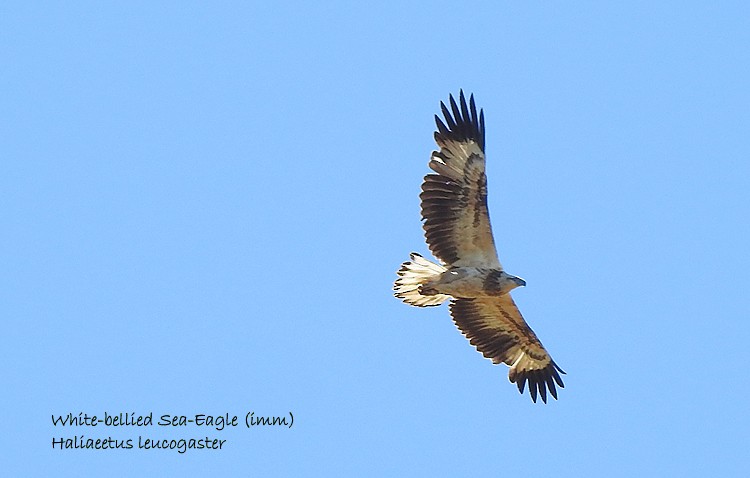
x=203, y=207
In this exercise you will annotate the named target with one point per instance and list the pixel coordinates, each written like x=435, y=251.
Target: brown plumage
x=458, y=232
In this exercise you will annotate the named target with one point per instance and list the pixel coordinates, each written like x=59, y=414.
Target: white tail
x=412, y=275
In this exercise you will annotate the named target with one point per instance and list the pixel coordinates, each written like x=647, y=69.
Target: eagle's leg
x=428, y=290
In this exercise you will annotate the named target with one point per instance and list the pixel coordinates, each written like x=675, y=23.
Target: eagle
x=456, y=224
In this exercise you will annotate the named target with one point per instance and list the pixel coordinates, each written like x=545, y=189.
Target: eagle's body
x=471, y=282
x=458, y=232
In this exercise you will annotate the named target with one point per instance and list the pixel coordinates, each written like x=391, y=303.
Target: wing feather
x=497, y=330
x=454, y=201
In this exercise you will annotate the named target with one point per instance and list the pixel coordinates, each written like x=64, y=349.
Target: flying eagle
x=458, y=232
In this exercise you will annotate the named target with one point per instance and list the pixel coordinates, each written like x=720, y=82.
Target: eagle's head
x=517, y=280
x=500, y=282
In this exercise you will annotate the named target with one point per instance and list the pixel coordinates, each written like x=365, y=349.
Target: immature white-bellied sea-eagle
x=457, y=229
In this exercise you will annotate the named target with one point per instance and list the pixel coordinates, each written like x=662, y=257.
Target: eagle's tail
x=412, y=275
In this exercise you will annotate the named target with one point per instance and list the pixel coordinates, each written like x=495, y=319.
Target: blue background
x=204, y=205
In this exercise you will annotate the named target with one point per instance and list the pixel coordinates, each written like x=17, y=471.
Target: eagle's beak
x=519, y=281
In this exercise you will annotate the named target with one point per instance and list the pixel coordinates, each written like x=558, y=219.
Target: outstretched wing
x=496, y=328
x=454, y=201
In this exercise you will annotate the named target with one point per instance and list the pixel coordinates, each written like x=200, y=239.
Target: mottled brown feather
x=496, y=328
x=454, y=201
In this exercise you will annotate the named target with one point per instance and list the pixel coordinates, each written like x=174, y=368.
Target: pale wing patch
x=454, y=154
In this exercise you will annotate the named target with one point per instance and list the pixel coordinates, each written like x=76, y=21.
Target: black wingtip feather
x=481, y=129
x=521, y=384
x=551, y=386
x=541, y=385
x=540, y=382
x=461, y=121
x=447, y=115
x=464, y=107
x=558, y=368
x=442, y=129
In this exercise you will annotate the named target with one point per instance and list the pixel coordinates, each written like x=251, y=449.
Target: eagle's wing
x=454, y=201
x=497, y=329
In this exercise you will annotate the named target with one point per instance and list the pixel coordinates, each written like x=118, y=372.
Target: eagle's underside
x=458, y=232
